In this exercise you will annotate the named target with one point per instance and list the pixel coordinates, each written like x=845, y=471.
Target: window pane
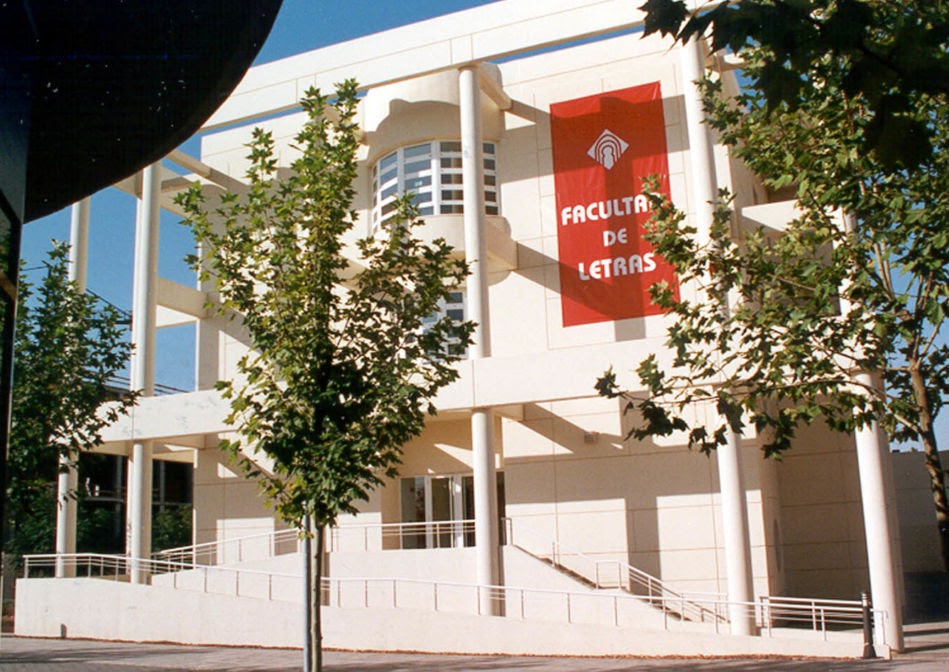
x=488, y=148
x=456, y=297
x=489, y=164
x=388, y=161
x=417, y=150
x=417, y=167
x=451, y=146
x=490, y=180
x=418, y=182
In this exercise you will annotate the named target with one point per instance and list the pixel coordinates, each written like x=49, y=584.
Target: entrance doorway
x=438, y=511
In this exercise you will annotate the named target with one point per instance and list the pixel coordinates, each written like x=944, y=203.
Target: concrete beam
x=493, y=31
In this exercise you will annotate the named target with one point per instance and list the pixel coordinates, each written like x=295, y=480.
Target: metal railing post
x=867, y=612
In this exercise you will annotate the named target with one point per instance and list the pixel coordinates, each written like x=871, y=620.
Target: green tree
x=887, y=53
x=68, y=348
x=784, y=321
x=341, y=372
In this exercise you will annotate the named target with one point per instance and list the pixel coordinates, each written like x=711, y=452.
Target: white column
x=142, y=374
x=734, y=506
x=68, y=481
x=872, y=453
x=877, y=498
x=482, y=421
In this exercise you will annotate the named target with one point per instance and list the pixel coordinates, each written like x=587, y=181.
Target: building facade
x=525, y=141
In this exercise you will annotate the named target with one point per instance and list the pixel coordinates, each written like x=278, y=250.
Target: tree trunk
x=312, y=596
x=937, y=477
x=307, y=595
x=318, y=599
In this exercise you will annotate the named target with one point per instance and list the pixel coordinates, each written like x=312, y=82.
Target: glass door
x=432, y=509
x=435, y=508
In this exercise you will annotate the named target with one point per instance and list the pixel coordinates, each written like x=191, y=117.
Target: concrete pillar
x=68, y=481
x=872, y=455
x=142, y=374
x=734, y=506
x=487, y=549
x=877, y=495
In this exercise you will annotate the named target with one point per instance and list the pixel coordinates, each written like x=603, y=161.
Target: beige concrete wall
x=73, y=608
x=226, y=504
x=571, y=477
x=823, y=543
x=917, y=514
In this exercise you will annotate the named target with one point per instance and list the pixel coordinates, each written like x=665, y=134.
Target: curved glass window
x=432, y=172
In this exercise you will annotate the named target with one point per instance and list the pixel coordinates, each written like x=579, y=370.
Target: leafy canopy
x=810, y=305
x=344, y=363
x=887, y=52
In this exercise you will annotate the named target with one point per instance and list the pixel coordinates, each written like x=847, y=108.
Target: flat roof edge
x=496, y=30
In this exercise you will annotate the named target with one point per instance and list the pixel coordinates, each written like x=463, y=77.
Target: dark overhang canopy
x=113, y=85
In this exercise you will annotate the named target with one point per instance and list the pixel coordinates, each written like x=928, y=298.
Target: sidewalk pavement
x=927, y=651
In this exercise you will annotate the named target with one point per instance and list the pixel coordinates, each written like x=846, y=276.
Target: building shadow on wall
x=662, y=495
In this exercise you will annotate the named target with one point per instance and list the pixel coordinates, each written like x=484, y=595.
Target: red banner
x=603, y=147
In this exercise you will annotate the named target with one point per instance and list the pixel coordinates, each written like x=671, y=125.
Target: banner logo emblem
x=607, y=149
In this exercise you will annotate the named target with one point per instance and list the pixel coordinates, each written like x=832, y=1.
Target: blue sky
x=301, y=25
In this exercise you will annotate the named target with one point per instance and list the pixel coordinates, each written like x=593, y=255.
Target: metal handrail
x=215, y=552
x=436, y=534
x=402, y=536
x=443, y=534
x=524, y=603
x=687, y=606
